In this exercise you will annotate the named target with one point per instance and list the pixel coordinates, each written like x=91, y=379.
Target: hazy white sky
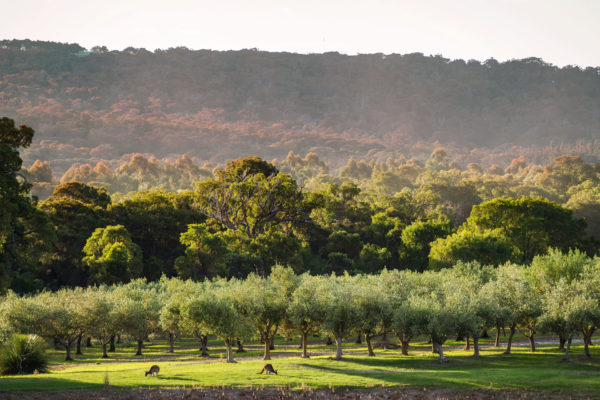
x=559, y=31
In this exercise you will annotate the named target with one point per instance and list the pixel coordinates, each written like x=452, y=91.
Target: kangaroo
x=268, y=369
x=153, y=370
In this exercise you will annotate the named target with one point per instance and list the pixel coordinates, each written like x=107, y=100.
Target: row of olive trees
x=558, y=293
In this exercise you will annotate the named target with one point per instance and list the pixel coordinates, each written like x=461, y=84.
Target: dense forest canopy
x=98, y=105
x=249, y=215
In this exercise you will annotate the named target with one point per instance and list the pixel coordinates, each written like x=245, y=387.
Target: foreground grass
x=522, y=370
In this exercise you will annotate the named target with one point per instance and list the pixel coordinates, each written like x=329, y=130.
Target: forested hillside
x=101, y=105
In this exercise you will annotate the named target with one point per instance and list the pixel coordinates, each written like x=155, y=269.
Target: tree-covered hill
x=99, y=105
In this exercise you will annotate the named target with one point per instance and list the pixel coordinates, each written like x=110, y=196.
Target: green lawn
x=523, y=370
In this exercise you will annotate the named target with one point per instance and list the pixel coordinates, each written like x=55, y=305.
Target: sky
x=562, y=32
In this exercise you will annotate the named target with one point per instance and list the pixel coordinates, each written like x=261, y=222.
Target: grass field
x=539, y=371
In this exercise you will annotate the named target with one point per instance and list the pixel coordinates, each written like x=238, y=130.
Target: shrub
x=23, y=354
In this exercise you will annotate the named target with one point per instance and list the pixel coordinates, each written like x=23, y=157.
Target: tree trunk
x=568, y=348
x=590, y=336
x=476, y=347
x=272, y=343
x=140, y=343
x=485, y=335
x=104, y=355
x=228, y=345
x=531, y=342
x=497, y=342
x=510, y=338
x=434, y=349
x=204, y=345
x=68, y=348
x=267, y=355
x=111, y=347
x=240, y=346
x=304, y=345
x=404, y=347
x=586, y=346
x=467, y=343
x=369, y=347
x=118, y=338
x=328, y=341
x=88, y=342
x=358, y=339
x=78, y=351
x=338, y=352
x=440, y=351
x=301, y=342
x=171, y=350
x=561, y=342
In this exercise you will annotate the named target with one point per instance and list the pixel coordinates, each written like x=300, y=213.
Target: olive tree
x=397, y=287
x=307, y=308
x=101, y=320
x=173, y=316
x=557, y=270
x=437, y=321
x=472, y=309
x=63, y=319
x=170, y=319
x=341, y=314
x=264, y=303
x=139, y=309
x=516, y=299
x=287, y=279
x=373, y=311
x=406, y=323
x=587, y=303
x=215, y=313
x=22, y=315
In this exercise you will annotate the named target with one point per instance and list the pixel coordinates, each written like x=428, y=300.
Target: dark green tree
x=489, y=248
x=260, y=210
x=530, y=225
x=111, y=256
x=204, y=255
x=25, y=234
x=417, y=239
x=84, y=193
x=248, y=201
x=155, y=220
x=76, y=210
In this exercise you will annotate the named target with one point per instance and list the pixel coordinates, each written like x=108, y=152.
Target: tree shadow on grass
x=11, y=384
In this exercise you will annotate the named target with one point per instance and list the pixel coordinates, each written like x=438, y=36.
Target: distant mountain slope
x=100, y=105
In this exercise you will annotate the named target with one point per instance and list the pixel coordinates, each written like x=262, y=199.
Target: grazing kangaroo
x=268, y=369
x=153, y=370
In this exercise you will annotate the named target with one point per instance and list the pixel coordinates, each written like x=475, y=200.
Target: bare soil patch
x=286, y=394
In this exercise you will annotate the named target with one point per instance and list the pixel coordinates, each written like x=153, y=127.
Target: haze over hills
x=100, y=105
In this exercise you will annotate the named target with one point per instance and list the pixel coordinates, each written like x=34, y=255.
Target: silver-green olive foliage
x=216, y=314
x=341, y=313
x=559, y=292
x=264, y=304
x=306, y=310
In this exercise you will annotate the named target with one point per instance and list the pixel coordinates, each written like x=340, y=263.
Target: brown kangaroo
x=268, y=369
x=153, y=370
